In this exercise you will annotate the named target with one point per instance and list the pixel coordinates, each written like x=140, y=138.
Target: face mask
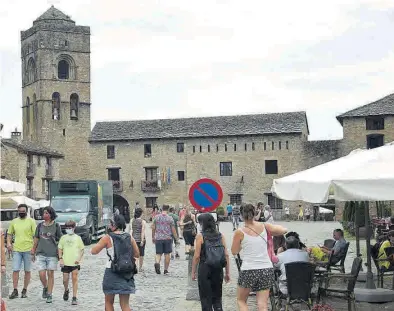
x=22, y=215
x=46, y=217
x=69, y=231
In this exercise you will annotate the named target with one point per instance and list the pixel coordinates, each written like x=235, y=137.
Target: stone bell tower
x=56, y=89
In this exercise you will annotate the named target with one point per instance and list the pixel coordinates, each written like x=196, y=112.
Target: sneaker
x=14, y=294
x=165, y=272
x=74, y=302
x=49, y=299
x=177, y=256
x=44, y=293
x=66, y=294
x=24, y=291
x=157, y=268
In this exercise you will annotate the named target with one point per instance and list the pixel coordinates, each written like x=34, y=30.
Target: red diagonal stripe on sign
x=205, y=195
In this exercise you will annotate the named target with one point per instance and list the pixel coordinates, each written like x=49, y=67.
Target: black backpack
x=123, y=262
x=215, y=255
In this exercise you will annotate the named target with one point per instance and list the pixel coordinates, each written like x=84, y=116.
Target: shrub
x=220, y=211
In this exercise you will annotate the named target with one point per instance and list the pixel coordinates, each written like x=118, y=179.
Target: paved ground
x=159, y=292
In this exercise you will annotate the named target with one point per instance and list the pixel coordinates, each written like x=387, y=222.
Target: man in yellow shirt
x=71, y=250
x=23, y=229
x=388, y=264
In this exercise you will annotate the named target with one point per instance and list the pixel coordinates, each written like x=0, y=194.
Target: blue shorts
x=163, y=247
x=46, y=263
x=18, y=258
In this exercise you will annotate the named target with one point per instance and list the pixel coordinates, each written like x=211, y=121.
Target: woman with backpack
x=256, y=271
x=211, y=256
x=120, y=269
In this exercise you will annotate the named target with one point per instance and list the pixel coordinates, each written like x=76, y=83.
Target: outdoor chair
x=340, y=266
x=381, y=273
x=300, y=277
x=329, y=243
x=346, y=293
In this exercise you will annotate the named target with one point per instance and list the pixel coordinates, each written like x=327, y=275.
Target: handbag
x=270, y=245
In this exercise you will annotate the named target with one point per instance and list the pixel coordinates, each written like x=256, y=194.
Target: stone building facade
x=156, y=161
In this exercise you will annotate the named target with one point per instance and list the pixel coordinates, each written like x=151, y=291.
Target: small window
x=236, y=199
x=64, y=132
x=200, y=148
x=147, y=150
x=265, y=146
x=217, y=148
x=280, y=145
x=235, y=147
x=151, y=173
x=375, y=141
x=150, y=202
x=273, y=145
x=56, y=106
x=38, y=160
x=374, y=123
x=181, y=175
x=253, y=147
x=209, y=148
x=180, y=147
x=226, y=169
x=271, y=167
x=194, y=149
x=114, y=174
x=246, y=147
x=74, y=105
x=27, y=110
x=225, y=147
x=63, y=70
x=65, y=43
x=110, y=152
x=287, y=145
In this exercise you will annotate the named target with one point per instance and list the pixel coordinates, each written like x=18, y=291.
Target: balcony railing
x=30, y=170
x=117, y=185
x=49, y=171
x=150, y=185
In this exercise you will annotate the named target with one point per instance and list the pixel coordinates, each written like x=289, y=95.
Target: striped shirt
x=136, y=226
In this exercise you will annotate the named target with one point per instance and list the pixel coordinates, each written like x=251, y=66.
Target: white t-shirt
x=266, y=215
x=287, y=211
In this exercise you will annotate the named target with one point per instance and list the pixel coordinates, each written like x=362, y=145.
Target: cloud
x=181, y=58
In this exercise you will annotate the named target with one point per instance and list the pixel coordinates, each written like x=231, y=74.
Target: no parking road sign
x=205, y=195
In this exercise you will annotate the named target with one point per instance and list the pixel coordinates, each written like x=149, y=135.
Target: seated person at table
x=322, y=253
x=292, y=253
x=387, y=264
x=282, y=248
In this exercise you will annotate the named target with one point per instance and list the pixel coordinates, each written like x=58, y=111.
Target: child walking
x=71, y=250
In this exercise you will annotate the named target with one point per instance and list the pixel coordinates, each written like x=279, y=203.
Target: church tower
x=56, y=89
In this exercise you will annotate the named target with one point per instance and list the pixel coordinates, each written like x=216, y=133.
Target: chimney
x=16, y=135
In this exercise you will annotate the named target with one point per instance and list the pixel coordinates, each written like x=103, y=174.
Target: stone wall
x=320, y=151
x=247, y=165
x=10, y=163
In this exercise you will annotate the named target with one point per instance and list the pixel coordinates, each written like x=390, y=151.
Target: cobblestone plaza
x=160, y=292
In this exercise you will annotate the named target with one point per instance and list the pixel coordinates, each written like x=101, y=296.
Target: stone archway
x=120, y=202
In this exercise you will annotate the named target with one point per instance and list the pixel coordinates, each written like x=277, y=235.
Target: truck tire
x=89, y=239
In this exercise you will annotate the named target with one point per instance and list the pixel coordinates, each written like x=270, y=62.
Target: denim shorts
x=18, y=258
x=46, y=263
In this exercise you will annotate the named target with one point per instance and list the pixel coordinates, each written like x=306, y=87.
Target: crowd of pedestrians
x=125, y=248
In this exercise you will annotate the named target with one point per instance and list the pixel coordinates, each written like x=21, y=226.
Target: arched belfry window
x=31, y=71
x=35, y=111
x=74, y=105
x=27, y=110
x=56, y=106
x=65, y=67
x=63, y=70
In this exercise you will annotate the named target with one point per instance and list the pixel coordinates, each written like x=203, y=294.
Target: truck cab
x=88, y=203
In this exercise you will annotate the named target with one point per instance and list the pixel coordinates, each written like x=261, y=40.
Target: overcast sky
x=182, y=58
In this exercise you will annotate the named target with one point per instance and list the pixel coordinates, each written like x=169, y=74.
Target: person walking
x=301, y=213
x=118, y=278
x=71, y=250
x=23, y=229
x=211, y=256
x=229, y=211
x=175, y=217
x=138, y=227
x=182, y=214
x=188, y=222
x=307, y=214
x=46, y=237
x=163, y=231
x=236, y=216
x=257, y=272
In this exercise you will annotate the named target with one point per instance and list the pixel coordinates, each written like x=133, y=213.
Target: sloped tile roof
x=383, y=106
x=258, y=124
x=33, y=148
